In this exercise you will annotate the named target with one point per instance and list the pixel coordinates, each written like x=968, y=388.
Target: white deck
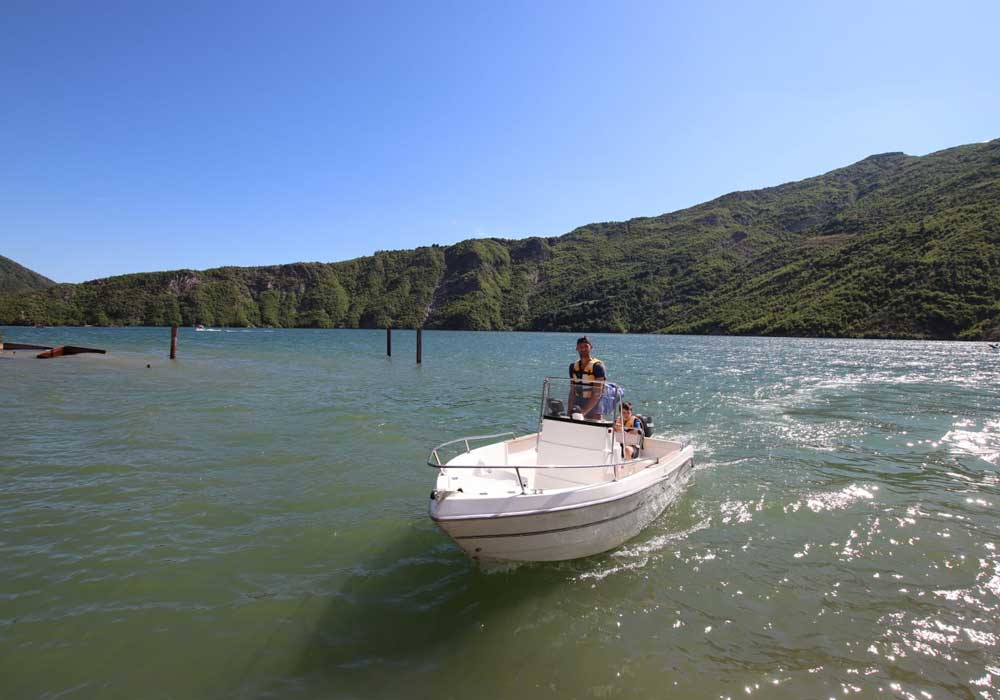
x=553, y=460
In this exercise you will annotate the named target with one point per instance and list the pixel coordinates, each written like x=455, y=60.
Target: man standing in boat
x=587, y=382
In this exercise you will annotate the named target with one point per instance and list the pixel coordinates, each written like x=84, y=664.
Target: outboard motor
x=648, y=426
x=556, y=408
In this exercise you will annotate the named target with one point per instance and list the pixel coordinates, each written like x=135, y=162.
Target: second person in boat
x=632, y=430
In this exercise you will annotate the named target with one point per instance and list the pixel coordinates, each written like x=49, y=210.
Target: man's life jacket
x=584, y=374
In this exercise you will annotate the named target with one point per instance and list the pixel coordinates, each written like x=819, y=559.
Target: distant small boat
x=199, y=327
x=995, y=346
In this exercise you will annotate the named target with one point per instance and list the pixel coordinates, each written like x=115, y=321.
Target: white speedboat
x=564, y=492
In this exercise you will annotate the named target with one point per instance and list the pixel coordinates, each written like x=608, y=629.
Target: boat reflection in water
x=564, y=492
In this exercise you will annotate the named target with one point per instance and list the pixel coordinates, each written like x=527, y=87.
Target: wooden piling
x=420, y=345
x=173, y=342
x=388, y=341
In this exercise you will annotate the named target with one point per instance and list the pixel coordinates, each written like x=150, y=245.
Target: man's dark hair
x=584, y=339
x=627, y=404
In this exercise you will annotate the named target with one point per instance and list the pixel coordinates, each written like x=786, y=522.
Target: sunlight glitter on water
x=984, y=443
x=818, y=502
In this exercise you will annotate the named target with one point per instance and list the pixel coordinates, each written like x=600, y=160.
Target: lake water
x=250, y=522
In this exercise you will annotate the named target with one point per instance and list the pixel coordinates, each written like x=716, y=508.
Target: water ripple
x=255, y=514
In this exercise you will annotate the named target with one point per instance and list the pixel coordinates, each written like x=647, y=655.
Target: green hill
x=16, y=278
x=891, y=246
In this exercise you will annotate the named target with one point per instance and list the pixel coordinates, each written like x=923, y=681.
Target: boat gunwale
x=683, y=444
x=669, y=468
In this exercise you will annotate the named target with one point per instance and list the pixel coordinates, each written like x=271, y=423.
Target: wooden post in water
x=420, y=344
x=388, y=341
x=173, y=342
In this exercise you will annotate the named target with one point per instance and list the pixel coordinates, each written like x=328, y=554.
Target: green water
x=250, y=522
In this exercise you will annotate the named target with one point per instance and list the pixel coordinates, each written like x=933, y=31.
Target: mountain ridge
x=890, y=246
x=15, y=278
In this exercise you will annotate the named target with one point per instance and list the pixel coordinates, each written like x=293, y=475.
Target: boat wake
x=493, y=566
x=637, y=556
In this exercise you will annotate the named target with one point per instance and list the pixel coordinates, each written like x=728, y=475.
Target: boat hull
x=562, y=527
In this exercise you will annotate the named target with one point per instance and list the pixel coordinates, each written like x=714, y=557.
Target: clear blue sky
x=139, y=136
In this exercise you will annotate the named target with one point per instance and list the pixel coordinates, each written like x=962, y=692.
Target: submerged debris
x=61, y=350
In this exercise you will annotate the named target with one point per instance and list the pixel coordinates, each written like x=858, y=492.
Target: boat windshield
x=573, y=399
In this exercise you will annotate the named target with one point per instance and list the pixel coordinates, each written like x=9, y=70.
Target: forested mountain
x=892, y=246
x=16, y=278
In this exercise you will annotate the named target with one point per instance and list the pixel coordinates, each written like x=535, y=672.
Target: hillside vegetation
x=892, y=246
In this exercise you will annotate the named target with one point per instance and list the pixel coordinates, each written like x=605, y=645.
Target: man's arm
x=572, y=392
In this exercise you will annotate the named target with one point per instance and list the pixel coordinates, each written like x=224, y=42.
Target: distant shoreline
x=566, y=332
